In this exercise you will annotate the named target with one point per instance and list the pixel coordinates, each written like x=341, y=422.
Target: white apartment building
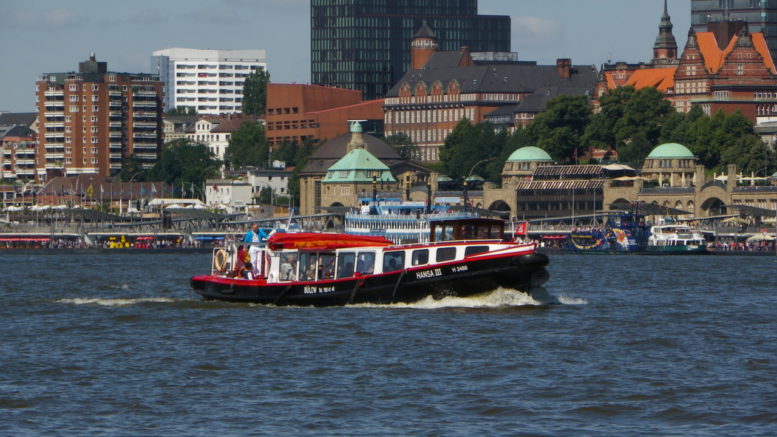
x=210, y=81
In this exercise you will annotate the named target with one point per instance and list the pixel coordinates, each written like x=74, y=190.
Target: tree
x=247, y=146
x=131, y=168
x=559, y=129
x=643, y=115
x=468, y=144
x=182, y=110
x=404, y=145
x=600, y=132
x=255, y=92
x=185, y=163
x=751, y=155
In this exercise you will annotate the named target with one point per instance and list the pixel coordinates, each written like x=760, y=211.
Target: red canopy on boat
x=313, y=240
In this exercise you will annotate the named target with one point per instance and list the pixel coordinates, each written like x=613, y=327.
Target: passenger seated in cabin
x=242, y=264
x=288, y=267
x=326, y=266
x=366, y=263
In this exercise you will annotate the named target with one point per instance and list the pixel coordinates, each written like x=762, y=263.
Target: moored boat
x=622, y=233
x=462, y=258
x=676, y=239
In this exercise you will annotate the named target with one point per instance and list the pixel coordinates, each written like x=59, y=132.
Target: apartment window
x=73, y=98
x=95, y=98
x=95, y=109
x=94, y=118
x=94, y=149
x=72, y=87
x=94, y=160
x=94, y=129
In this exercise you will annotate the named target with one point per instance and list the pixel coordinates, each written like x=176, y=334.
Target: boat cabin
x=467, y=229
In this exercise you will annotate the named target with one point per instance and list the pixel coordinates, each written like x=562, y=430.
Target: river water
x=116, y=344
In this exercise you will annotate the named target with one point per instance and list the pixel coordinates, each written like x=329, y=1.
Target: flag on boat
x=522, y=228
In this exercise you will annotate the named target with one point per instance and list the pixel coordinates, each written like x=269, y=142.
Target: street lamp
x=466, y=200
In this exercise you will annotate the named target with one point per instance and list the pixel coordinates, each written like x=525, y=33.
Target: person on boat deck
x=255, y=235
x=243, y=264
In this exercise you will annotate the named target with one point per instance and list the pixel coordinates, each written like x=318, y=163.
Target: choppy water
x=116, y=344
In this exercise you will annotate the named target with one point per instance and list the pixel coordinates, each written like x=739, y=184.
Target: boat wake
x=498, y=298
x=115, y=302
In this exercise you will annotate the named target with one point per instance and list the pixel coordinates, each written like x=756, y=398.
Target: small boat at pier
x=462, y=258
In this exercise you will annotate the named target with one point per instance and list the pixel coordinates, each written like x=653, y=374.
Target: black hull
x=466, y=278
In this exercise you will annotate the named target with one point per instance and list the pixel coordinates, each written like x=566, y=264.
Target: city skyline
x=42, y=36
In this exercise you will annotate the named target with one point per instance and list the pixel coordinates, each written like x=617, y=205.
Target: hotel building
x=210, y=81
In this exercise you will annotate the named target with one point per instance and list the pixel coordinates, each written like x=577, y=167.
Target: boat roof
x=318, y=241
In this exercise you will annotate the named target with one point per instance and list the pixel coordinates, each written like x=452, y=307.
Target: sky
x=44, y=36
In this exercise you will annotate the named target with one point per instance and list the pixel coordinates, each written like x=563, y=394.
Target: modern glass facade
x=760, y=16
x=365, y=44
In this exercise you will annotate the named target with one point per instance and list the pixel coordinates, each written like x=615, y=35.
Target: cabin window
x=474, y=250
x=420, y=257
x=326, y=266
x=307, y=266
x=345, y=264
x=445, y=254
x=393, y=261
x=288, y=268
x=365, y=263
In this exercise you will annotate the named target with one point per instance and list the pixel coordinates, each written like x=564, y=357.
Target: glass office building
x=365, y=44
x=760, y=16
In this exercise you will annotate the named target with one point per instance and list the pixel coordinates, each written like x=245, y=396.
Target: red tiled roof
x=660, y=78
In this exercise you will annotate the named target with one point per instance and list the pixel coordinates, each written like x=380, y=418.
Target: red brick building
x=296, y=113
x=727, y=68
x=17, y=154
x=90, y=120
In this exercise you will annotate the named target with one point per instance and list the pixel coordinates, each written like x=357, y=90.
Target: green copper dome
x=530, y=153
x=671, y=151
x=358, y=165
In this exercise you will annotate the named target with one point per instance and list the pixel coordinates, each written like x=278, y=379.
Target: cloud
x=536, y=32
x=46, y=19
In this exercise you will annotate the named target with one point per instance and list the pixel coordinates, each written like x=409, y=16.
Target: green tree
x=559, y=129
x=247, y=146
x=404, y=145
x=185, y=163
x=600, y=132
x=751, y=155
x=131, y=168
x=468, y=144
x=255, y=92
x=182, y=110
x=643, y=116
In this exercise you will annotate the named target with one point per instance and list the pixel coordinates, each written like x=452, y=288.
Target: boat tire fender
x=220, y=260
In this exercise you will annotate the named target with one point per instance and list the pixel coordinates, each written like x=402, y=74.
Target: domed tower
x=422, y=47
x=522, y=163
x=665, y=48
x=670, y=165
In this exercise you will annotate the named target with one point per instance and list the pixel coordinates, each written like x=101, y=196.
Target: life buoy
x=220, y=260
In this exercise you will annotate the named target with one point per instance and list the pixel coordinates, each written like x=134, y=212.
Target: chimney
x=564, y=67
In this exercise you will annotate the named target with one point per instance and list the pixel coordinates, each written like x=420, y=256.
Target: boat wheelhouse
x=463, y=257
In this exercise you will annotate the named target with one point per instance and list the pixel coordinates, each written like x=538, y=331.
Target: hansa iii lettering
x=426, y=274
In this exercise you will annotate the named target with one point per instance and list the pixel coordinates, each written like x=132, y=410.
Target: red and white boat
x=464, y=257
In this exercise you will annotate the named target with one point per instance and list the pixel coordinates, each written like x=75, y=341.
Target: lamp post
x=374, y=189
x=466, y=200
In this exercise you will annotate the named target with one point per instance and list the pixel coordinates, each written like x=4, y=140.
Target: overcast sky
x=41, y=36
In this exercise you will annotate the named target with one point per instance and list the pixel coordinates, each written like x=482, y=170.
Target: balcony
x=145, y=93
x=114, y=93
x=54, y=103
x=51, y=93
x=26, y=161
x=144, y=114
x=113, y=156
x=145, y=124
x=50, y=156
x=55, y=135
x=54, y=124
x=115, y=124
x=60, y=113
x=146, y=156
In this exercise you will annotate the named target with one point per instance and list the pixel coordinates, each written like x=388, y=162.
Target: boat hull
x=677, y=250
x=463, y=278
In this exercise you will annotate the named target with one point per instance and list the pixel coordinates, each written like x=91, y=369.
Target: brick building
x=428, y=102
x=17, y=154
x=90, y=120
x=725, y=68
x=299, y=113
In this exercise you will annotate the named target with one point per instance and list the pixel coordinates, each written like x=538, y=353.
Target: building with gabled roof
x=725, y=68
x=448, y=86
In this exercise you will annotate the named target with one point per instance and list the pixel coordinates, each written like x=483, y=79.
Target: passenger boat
x=623, y=233
x=463, y=257
x=676, y=239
